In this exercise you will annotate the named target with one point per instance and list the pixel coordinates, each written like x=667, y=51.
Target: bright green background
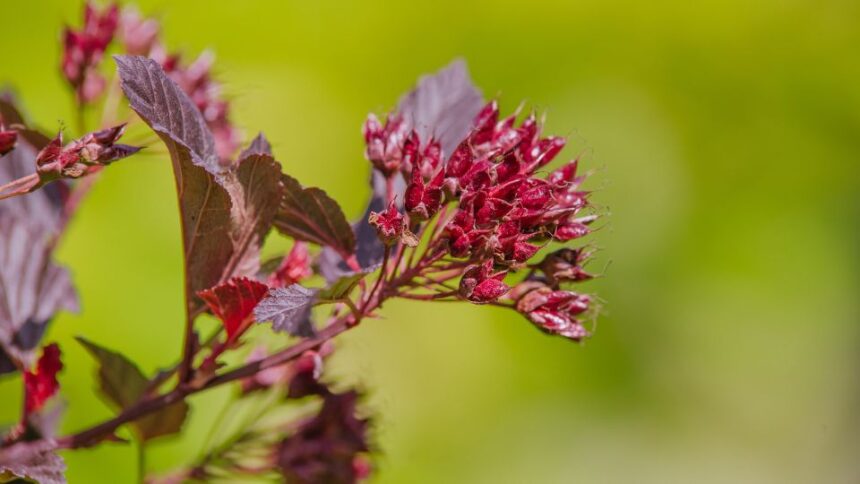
x=725, y=136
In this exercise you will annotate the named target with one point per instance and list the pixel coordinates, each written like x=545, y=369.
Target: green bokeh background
x=725, y=136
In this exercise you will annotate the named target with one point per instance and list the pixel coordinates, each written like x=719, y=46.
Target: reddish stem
x=20, y=186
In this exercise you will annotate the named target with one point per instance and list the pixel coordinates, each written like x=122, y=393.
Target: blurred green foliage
x=725, y=136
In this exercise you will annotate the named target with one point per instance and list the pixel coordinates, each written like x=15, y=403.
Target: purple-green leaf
x=289, y=309
x=309, y=214
x=122, y=384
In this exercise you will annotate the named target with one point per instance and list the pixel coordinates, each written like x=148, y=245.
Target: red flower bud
x=385, y=144
x=555, y=311
x=423, y=200
x=8, y=138
x=565, y=265
x=389, y=224
x=480, y=285
x=574, y=229
x=84, y=155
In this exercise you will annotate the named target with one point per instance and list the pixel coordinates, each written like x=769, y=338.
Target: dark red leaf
x=234, y=301
x=309, y=214
x=122, y=383
x=289, y=309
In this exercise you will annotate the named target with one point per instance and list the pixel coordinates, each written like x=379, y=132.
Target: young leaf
x=34, y=461
x=289, y=309
x=123, y=384
x=443, y=105
x=341, y=288
x=225, y=211
x=32, y=288
x=309, y=214
x=233, y=301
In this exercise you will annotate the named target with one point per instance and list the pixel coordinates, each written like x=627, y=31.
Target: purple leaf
x=341, y=287
x=443, y=105
x=32, y=288
x=36, y=461
x=225, y=210
x=289, y=309
x=309, y=214
x=204, y=203
x=122, y=384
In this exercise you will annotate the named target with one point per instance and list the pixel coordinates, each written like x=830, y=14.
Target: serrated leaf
x=233, y=301
x=35, y=461
x=32, y=288
x=123, y=384
x=289, y=309
x=309, y=214
x=443, y=105
x=225, y=210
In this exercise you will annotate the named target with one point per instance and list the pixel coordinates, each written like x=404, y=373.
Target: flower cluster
x=463, y=202
x=82, y=156
x=140, y=37
x=83, y=51
x=506, y=210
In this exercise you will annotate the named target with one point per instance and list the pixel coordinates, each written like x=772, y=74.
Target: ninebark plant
x=464, y=207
